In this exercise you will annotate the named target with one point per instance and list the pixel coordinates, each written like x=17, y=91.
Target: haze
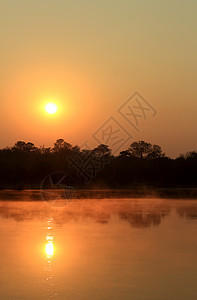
x=88, y=58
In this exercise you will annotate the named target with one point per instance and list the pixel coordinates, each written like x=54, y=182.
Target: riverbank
x=72, y=193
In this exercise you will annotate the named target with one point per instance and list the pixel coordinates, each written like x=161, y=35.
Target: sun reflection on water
x=49, y=247
x=49, y=252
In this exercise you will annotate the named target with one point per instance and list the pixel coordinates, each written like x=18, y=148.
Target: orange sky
x=89, y=58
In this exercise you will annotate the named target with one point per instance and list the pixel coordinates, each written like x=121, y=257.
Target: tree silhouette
x=102, y=151
x=24, y=147
x=61, y=145
x=143, y=164
x=143, y=149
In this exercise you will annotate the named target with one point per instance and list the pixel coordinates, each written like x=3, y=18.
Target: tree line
x=143, y=164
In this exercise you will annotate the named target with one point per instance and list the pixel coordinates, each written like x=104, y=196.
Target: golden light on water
x=51, y=108
x=49, y=248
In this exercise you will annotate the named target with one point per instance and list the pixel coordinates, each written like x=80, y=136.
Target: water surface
x=139, y=249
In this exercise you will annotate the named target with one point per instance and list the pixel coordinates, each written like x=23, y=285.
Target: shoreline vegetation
x=143, y=170
x=63, y=194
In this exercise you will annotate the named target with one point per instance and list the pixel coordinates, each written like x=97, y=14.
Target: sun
x=51, y=108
